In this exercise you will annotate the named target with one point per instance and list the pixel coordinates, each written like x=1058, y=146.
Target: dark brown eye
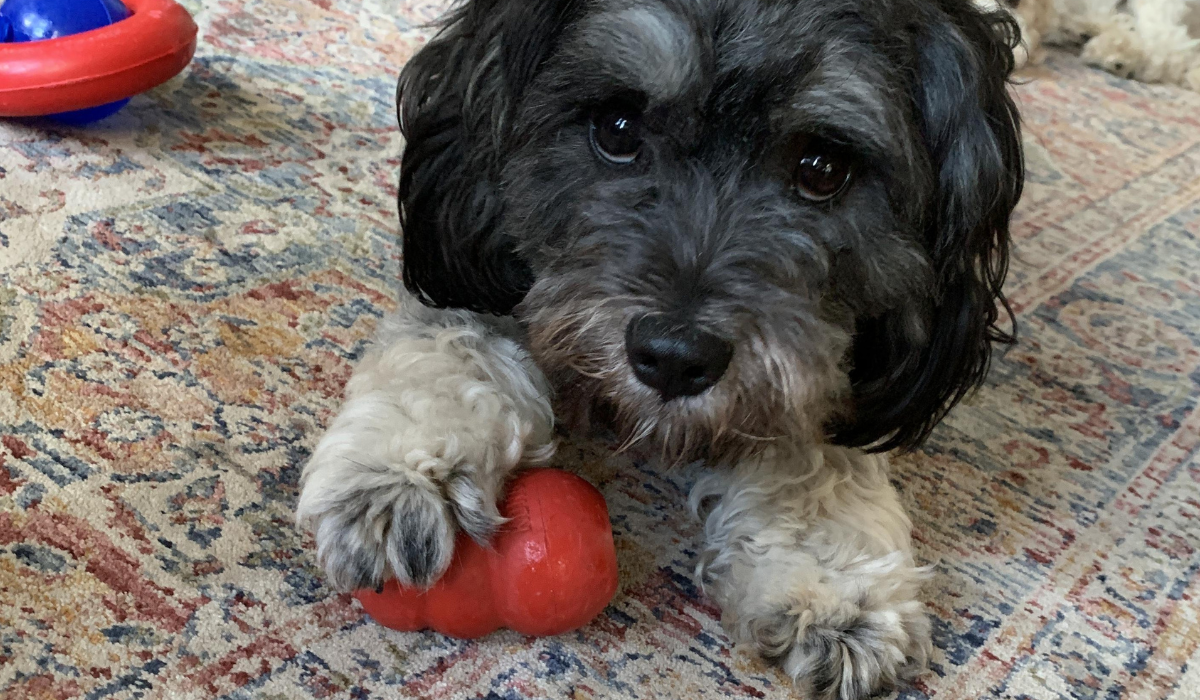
x=616, y=135
x=821, y=173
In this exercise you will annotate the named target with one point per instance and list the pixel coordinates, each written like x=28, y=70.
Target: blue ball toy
x=35, y=20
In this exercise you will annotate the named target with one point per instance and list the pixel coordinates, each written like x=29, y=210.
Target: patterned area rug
x=184, y=288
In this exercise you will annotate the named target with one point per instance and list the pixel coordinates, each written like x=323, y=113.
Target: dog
x=765, y=234
x=1154, y=41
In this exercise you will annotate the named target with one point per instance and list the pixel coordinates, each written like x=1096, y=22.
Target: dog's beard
x=771, y=392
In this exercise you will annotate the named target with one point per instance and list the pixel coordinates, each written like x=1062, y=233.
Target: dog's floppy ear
x=456, y=99
x=904, y=386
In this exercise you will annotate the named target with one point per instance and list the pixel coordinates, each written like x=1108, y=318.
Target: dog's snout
x=675, y=358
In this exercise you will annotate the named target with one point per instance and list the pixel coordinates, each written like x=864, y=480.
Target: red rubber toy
x=99, y=66
x=550, y=569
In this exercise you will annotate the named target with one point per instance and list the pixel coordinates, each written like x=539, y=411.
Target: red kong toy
x=550, y=569
x=53, y=69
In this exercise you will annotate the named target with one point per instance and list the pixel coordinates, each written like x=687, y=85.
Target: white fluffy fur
x=808, y=554
x=1156, y=41
x=442, y=408
x=808, y=549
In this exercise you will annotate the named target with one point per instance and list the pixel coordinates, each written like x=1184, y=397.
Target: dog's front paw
x=398, y=474
x=809, y=556
x=377, y=520
x=842, y=649
x=835, y=637
x=367, y=530
x=437, y=415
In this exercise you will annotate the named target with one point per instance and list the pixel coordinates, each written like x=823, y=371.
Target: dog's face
x=722, y=222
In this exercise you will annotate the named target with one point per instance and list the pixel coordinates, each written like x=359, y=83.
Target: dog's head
x=723, y=221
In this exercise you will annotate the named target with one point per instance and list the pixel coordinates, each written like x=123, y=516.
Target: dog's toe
x=349, y=550
x=474, y=505
x=420, y=539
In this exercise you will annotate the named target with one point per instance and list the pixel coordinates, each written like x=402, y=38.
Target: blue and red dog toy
x=81, y=60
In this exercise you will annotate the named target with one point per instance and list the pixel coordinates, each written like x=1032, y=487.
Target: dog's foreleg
x=437, y=414
x=808, y=554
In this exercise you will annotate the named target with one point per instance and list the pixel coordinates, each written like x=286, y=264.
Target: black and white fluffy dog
x=768, y=234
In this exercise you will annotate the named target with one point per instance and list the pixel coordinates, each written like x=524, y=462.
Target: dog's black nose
x=674, y=357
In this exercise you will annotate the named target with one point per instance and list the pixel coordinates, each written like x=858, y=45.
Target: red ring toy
x=99, y=66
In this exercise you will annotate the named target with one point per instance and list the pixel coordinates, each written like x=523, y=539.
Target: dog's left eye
x=616, y=135
x=821, y=173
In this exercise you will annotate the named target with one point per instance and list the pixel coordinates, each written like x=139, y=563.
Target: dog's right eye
x=822, y=171
x=616, y=135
